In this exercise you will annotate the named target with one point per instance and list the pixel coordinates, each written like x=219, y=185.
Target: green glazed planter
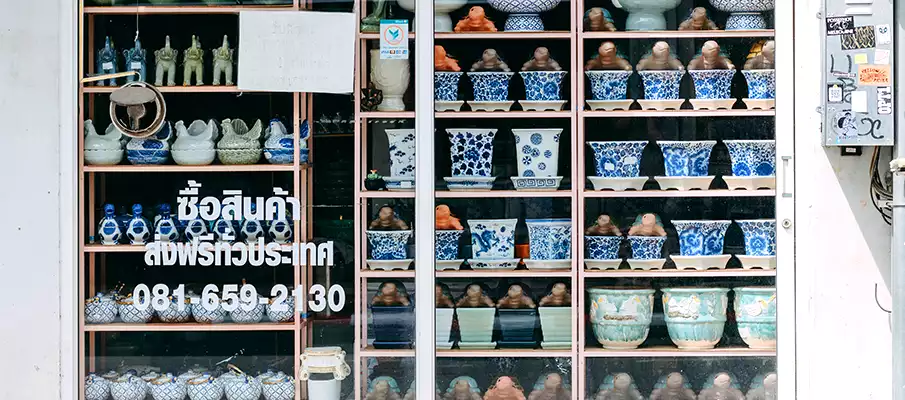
x=755, y=312
x=695, y=317
x=621, y=317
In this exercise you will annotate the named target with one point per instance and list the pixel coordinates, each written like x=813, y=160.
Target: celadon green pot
x=475, y=325
x=695, y=317
x=755, y=312
x=621, y=317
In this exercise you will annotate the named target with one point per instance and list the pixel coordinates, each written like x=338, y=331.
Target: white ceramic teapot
x=194, y=145
x=100, y=309
x=104, y=149
x=96, y=387
x=242, y=387
x=168, y=387
x=278, y=386
x=128, y=387
x=204, y=387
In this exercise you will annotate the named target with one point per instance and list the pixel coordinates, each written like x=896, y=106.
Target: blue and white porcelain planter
x=744, y=14
x=761, y=88
x=556, y=326
x=402, y=160
x=542, y=90
x=695, y=317
x=760, y=243
x=492, y=238
x=755, y=312
x=661, y=89
x=491, y=91
x=549, y=243
x=524, y=14
x=130, y=314
x=389, y=249
x=687, y=164
x=476, y=327
x=621, y=317
x=446, y=91
x=609, y=90
x=471, y=151
x=711, y=89
x=646, y=15
x=447, y=242
x=100, y=309
x=753, y=164
x=603, y=252
x=538, y=153
x=96, y=387
x=701, y=244
x=647, y=252
x=153, y=150
x=617, y=165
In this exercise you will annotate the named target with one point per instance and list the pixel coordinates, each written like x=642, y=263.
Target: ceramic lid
x=276, y=378
x=110, y=375
x=164, y=379
x=201, y=379
x=110, y=140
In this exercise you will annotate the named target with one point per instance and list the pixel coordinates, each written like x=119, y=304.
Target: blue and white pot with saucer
x=493, y=243
x=447, y=242
x=609, y=90
x=402, y=160
x=524, y=15
x=647, y=252
x=542, y=90
x=549, y=243
x=491, y=91
x=617, y=165
x=537, y=152
x=701, y=244
x=446, y=91
x=389, y=250
x=661, y=89
x=711, y=89
x=760, y=243
x=761, y=88
x=695, y=316
x=687, y=164
x=472, y=159
x=753, y=164
x=603, y=252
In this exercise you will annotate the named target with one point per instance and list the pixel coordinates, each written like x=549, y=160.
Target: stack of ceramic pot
x=753, y=164
x=760, y=243
x=491, y=91
x=646, y=15
x=621, y=317
x=389, y=250
x=106, y=149
x=687, y=164
x=661, y=89
x=493, y=243
x=609, y=90
x=472, y=159
x=447, y=242
x=542, y=90
x=549, y=243
x=524, y=15
x=402, y=160
x=324, y=360
x=537, y=153
x=617, y=165
x=711, y=89
x=701, y=244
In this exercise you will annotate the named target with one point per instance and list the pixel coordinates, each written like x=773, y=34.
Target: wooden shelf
x=372, y=352
x=372, y=274
x=503, y=114
x=148, y=10
x=515, y=353
x=376, y=36
x=190, y=327
x=505, y=35
x=679, y=193
x=445, y=194
x=385, y=194
x=119, y=248
x=172, y=89
x=386, y=114
x=563, y=273
x=669, y=351
x=674, y=273
x=677, y=113
x=678, y=34
x=193, y=168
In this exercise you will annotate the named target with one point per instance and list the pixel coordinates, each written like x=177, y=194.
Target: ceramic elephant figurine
x=136, y=61
x=106, y=61
x=193, y=63
x=223, y=62
x=165, y=63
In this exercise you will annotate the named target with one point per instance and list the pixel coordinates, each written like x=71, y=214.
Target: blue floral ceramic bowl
x=388, y=245
x=752, y=157
x=608, y=85
x=712, y=83
x=471, y=151
x=755, y=312
x=542, y=85
x=618, y=159
x=695, y=317
x=647, y=247
x=661, y=85
x=683, y=158
x=446, y=86
x=490, y=86
x=448, y=244
x=603, y=247
x=760, y=236
x=492, y=238
x=761, y=83
x=621, y=317
x=701, y=238
x=550, y=239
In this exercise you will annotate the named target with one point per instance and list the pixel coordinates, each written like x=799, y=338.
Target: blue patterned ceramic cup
x=661, y=85
x=618, y=159
x=543, y=85
x=446, y=86
x=388, y=245
x=492, y=238
x=701, y=238
x=471, y=151
x=686, y=158
x=603, y=247
x=755, y=311
x=761, y=83
x=712, y=84
x=695, y=317
x=608, y=85
x=550, y=239
x=752, y=157
x=448, y=244
x=490, y=86
x=621, y=317
x=760, y=236
x=647, y=247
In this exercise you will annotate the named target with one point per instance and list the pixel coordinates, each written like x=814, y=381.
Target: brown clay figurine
x=766, y=58
x=622, y=389
x=474, y=297
x=559, y=296
x=444, y=63
x=445, y=220
x=443, y=300
x=553, y=389
x=596, y=21
x=603, y=227
x=541, y=61
x=490, y=61
x=674, y=390
x=462, y=391
x=710, y=58
x=765, y=392
x=388, y=295
x=698, y=21
x=607, y=59
x=504, y=389
x=387, y=221
x=722, y=389
x=649, y=226
x=475, y=21
x=660, y=59
x=515, y=298
x=382, y=391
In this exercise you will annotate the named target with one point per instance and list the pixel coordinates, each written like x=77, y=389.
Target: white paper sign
x=107, y=65
x=394, y=39
x=306, y=51
x=884, y=35
x=135, y=66
x=881, y=57
x=859, y=101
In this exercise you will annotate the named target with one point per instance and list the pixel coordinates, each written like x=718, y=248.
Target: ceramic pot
x=695, y=317
x=608, y=85
x=550, y=239
x=279, y=386
x=761, y=83
x=752, y=157
x=172, y=314
x=327, y=389
x=253, y=316
x=281, y=316
x=537, y=151
x=442, y=22
x=524, y=14
x=646, y=15
x=106, y=149
x=517, y=327
x=402, y=152
x=194, y=145
x=96, y=388
x=492, y=238
x=543, y=85
x=446, y=85
x=603, y=247
x=394, y=326
x=647, y=247
x=712, y=83
x=243, y=387
x=279, y=147
x=167, y=387
x=475, y=324
x=755, y=312
x=391, y=77
x=128, y=387
x=100, y=309
x=153, y=150
x=471, y=151
x=760, y=236
x=621, y=317
x=617, y=159
x=661, y=85
x=239, y=144
x=444, y=325
x=204, y=387
x=203, y=316
x=388, y=245
x=447, y=242
x=686, y=158
x=490, y=86
x=744, y=14
x=556, y=324
x=130, y=314
x=701, y=238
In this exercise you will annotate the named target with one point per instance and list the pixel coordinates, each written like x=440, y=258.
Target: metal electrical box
x=858, y=73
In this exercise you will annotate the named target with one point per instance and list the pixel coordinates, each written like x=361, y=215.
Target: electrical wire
x=880, y=190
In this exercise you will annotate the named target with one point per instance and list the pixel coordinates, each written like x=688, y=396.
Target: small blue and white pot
x=524, y=14
x=695, y=317
x=490, y=85
x=492, y=238
x=128, y=387
x=543, y=85
x=253, y=316
x=752, y=157
x=172, y=314
x=701, y=238
x=100, y=309
x=686, y=158
x=130, y=314
x=471, y=151
x=761, y=83
x=621, y=317
x=550, y=239
x=96, y=387
x=661, y=85
x=446, y=86
x=281, y=316
x=167, y=387
x=204, y=387
x=278, y=386
x=760, y=236
x=755, y=312
x=448, y=244
x=647, y=247
x=608, y=85
x=537, y=151
x=245, y=387
x=603, y=247
x=388, y=245
x=618, y=159
x=712, y=84
x=204, y=316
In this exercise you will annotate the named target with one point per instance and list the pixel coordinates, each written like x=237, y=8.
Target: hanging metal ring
x=159, y=119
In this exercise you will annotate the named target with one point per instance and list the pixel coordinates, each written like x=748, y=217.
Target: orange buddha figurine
x=444, y=63
x=387, y=221
x=603, y=227
x=505, y=389
x=474, y=297
x=443, y=300
x=558, y=297
x=710, y=58
x=607, y=59
x=475, y=21
x=388, y=295
x=698, y=21
x=515, y=298
x=649, y=226
x=445, y=220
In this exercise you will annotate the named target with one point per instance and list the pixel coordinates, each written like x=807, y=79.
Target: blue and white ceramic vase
x=617, y=159
x=490, y=85
x=761, y=83
x=646, y=15
x=686, y=158
x=471, y=151
x=621, y=317
x=138, y=230
x=603, y=247
x=543, y=85
x=712, y=84
x=701, y=238
x=695, y=317
x=524, y=14
x=388, y=245
x=106, y=149
x=128, y=387
x=447, y=242
x=744, y=14
x=195, y=145
x=129, y=312
x=446, y=85
x=760, y=236
x=549, y=240
x=108, y=229
x=100, y=309
x=402, y=160
x=661, y=85
x=96, y=387
x=752, y=157
x=647, y=247
x=165, y=229
x=152, y=150
x=492, y=238
x=755, y=313
x=608, y=85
